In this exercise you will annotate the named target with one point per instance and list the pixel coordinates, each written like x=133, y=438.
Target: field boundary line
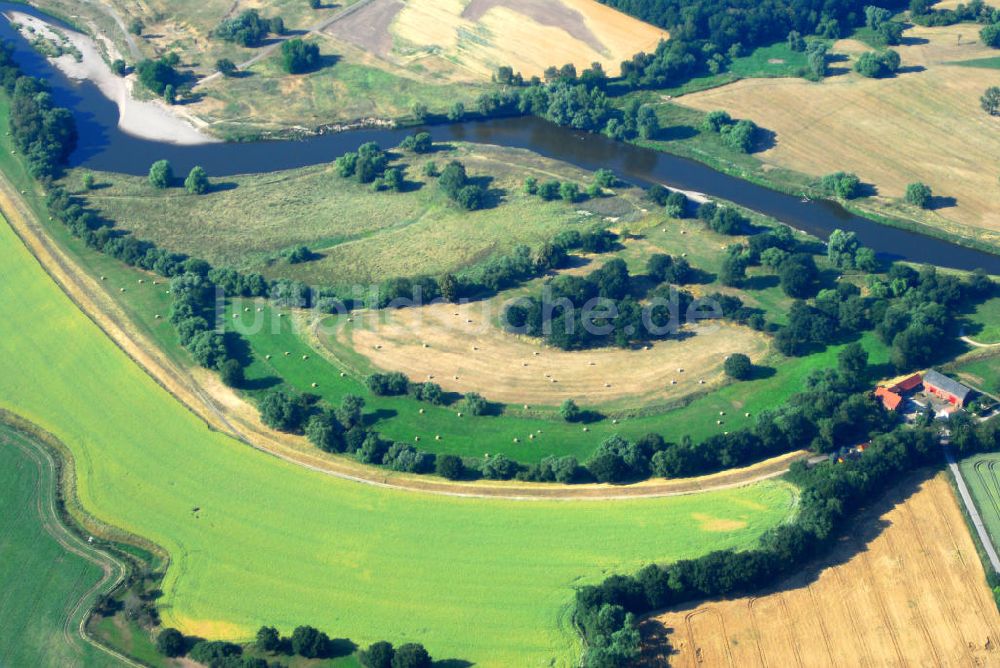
x=87, y=294
x=114, y=571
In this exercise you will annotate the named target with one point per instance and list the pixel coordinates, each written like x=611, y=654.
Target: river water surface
x=103, y=146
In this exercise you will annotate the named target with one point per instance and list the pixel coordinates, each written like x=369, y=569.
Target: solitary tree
x=918, y=194
x=196, y=182
x=298, y=56
x=990, y=101
x=738, y=366
x=226, y=67
x=161, y=174
x=991, y=35
x=170, y=643
x=569, y=411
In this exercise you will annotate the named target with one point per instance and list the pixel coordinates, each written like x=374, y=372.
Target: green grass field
x=987, y=63
x=981, y=370
x=982, y=475
x=40, y=581
x=255, y=540
x=360, y=234
x=984, y=322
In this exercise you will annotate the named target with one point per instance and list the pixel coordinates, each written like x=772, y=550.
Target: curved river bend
x=103, y=146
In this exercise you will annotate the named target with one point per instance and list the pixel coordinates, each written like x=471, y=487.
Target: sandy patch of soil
x=140, y=118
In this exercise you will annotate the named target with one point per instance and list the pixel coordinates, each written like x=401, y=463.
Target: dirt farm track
x=907, y=588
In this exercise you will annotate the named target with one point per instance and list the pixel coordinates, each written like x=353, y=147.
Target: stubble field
x=907, y=588
x=925, y=124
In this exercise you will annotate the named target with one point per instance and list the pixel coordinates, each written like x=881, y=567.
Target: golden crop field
x=470, y=39
x=925, y=124
x=907, y=588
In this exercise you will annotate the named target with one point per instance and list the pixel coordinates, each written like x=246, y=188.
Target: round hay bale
x=378, y=346
x=437, y=437
x=607, y=384
x=683, y=231
x=141, y=281
x=121, y=289
x=718, y=422
x=104, y=278
x=615, y=421
x=416, y=439
x=679, y=370
x=267, y=357
x=287, y=353
x=456, y=377
x=725, y=433
x=315, y=385
x=746, y=415
x=531, y=436
x=586, y=428
x=425, y=345
x=701, y=382
x=305, y=357
x=537, y=353
x=673, y=382
x=246, y=309
x=281, y=315
x=343, y=374
x=421, y=411
x=235, y=315
x=516, y=440
x=350, y=320
x=157, y=316
x=526, y=407
x=722, y=412
x=554, y=380
x=430, y=376
x=459, y=414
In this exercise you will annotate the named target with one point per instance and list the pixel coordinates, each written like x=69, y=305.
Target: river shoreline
x=146, y=119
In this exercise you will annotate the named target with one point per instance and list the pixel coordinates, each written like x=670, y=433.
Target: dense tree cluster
x=389, y=384
x=579, y=312
x=299, y=56
x=876, y=64
x=922, y=12
x=455, y=183
x=44, y=133
x=193, y=315
x=158, y=75
x=738, y=135
x=842, y=184
x=879, y=21
x=846, y=252
x=830, y=494
x=674, y=201
x=306, y=642
x=248, y=28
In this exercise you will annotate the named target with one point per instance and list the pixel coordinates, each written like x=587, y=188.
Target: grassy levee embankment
x=256, y=540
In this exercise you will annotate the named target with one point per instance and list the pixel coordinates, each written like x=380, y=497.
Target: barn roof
x=907, y=384
x=890, y=399
x=945, y=383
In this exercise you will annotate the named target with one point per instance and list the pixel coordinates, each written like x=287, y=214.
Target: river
x=103, y=146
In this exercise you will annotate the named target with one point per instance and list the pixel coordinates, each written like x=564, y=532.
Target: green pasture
x=399, y=418
x=982, y=475
x=40, y=581
x=987, y=63
x=984, y=322
x=257, y=540
x=981, y=370
x=361, y=236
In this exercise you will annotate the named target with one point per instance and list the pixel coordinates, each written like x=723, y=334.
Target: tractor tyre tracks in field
x=113, y=571
x=95, y=302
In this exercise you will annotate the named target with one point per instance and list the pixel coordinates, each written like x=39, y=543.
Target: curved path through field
x=226, y=412
x=113, y=570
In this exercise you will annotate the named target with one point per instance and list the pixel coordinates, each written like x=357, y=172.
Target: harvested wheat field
x=906, y=589
x=459, y=347
x=925, y=124
x=471, y=39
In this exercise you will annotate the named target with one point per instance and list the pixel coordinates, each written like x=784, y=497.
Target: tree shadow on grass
x=941, y=202
x=676, y=133
x=378, y=415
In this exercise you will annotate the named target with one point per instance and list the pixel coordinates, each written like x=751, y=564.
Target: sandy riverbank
x=147, y=119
